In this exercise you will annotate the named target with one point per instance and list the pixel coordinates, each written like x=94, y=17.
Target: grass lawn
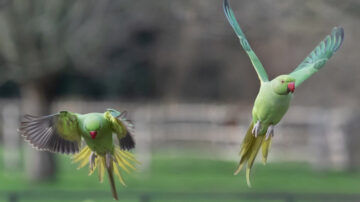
x=179, y=175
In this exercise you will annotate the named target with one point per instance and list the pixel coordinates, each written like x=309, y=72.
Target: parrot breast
x=269, y=107
x=92, y=123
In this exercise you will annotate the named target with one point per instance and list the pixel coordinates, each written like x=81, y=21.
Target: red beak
x=93, y=134
x=291, y=87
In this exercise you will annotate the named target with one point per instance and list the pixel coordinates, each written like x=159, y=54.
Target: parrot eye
x=282, y=81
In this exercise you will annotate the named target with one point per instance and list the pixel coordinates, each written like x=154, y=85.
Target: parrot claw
x=270, y=131
x=92, y=160
x=256, y=129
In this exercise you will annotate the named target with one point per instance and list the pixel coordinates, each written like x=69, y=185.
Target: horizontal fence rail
x=319, y=136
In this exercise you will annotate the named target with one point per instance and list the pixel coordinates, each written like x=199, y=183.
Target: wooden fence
x=306, y=134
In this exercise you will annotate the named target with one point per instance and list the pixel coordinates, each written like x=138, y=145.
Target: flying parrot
x=64, y=131
x=274, y=96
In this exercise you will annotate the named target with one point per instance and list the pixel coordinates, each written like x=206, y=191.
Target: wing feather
x=244, y=43
x=319, y=56
x=55, y=133
x=123, y=127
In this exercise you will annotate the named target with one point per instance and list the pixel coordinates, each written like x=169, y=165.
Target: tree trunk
x=40, y=165
x=11, y=143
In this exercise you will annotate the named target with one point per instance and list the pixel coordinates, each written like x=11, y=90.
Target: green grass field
x=180, y=175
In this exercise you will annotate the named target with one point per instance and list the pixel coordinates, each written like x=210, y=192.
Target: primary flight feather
x=63, y=132
x=274, y=96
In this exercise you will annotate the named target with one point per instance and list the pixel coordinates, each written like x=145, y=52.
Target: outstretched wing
x=55, y=133
x=244, y=43
x=318, y=57
x=122, y=127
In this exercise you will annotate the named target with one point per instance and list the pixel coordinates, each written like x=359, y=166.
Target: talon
x=256, y=129
x=92, y=160
x=270, y=131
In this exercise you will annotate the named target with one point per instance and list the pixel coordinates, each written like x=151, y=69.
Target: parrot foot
x=256, y=129
x=270, y=131
x=92, y=160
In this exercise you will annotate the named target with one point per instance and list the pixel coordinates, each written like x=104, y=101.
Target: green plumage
x=318, y=57
x=96, y=121
x=274, y=97
x=244, y=43
x=62, y=132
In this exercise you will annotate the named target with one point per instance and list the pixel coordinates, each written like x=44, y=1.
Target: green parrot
x=274, y=96
x=62, y=133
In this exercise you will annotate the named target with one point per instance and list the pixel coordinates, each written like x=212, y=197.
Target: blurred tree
x=39, y=38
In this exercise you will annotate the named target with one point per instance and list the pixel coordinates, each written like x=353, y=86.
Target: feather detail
x=251, y=157
x=111, y=178
x=55, y=133
x=249, y=150
x=82, y=157
x=121, y=160
x=247, y=142
x=100, y=161
x=120, y=163
x=129, y=124
x=128, y=156
x=319, y=56
x=127, y=142
x=117, y=173
x=122, y=126
x=259, y=68
x=266, y=145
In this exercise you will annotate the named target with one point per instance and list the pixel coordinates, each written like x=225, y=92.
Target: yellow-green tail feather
x=251, y=157
x=266, y=145
x=100, y=162
x=82, y=157
x=249, y=150
x=245, y=146
x=122, y=160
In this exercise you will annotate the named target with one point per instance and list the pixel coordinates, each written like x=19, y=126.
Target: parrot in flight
x=64, y=131
x=274, y=96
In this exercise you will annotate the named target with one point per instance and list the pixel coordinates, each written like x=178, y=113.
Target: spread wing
x=318, y=57
x=123, y=128
x=244, y=43
x=55, y=133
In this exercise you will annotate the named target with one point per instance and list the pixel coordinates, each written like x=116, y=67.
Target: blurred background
x=178, y=69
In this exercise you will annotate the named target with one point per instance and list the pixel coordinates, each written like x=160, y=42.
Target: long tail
x=249, y=150
x=119, y=160
x=111, y=179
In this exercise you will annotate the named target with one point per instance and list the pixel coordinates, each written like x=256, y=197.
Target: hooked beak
x=93, y=134
x=291, y=87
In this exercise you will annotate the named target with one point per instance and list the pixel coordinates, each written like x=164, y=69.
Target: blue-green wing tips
x=115, y=113
x=232, y=20
x=40, y=132
x=338, y=33
x=236, y=27
x=318, y=57
x=244, y=43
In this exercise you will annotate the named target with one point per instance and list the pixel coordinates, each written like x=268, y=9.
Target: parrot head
x=92, y=126
x=283, y=84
